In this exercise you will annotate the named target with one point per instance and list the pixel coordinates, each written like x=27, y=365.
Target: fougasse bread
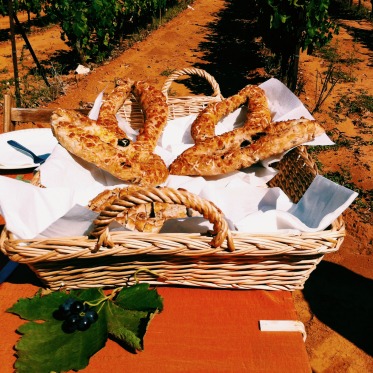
x=105, y=145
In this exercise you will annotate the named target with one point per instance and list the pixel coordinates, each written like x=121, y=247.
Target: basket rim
x=129, y=243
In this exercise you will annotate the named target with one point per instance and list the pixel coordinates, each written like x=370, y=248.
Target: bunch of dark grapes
x=75, y=315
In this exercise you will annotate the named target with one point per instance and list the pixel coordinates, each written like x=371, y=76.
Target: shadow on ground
x=40, y=22
x=232, y=52
x=342, y=300
x=62, y=62
x=22, y=274
x=340, y=12
x=363, y=36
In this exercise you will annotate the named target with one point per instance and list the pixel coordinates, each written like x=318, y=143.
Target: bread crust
x=101, y=142
x=155, y=108
x=257, y=139
x=211, y=157
x=258, y=116
x=148, y=217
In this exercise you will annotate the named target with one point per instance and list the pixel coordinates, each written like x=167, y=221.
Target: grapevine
x=93, y=28
x=291, y=26
x=30, y=6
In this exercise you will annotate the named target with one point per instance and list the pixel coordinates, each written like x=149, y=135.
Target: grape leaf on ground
x=126, y=325
x=44, y=347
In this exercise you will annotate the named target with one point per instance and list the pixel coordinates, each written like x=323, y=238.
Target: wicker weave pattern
x=269, y=262
x=183, y=106
x=296, y=172
x=258, y=262
x=167, y=195
x=192, y=71
x=178, y=106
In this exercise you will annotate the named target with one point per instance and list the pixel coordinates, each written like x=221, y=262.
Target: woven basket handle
x=167, y=195
x=192, y=71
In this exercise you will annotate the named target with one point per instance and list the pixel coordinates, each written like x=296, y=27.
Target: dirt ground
x=336, y=303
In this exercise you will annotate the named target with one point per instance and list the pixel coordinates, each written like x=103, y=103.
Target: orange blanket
x=200, y=330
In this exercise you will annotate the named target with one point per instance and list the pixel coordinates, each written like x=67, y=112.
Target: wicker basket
x=224, y=260
x=178, y=106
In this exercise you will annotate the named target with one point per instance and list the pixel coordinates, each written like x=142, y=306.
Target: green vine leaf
x=140, y=298
x=134, y=307
x=45, y=347
x=127, y=326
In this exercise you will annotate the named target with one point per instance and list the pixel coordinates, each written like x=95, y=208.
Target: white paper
x=94, y=112
x=282, y=102
x=323, y=201
x=76, y=222
x=82, y=70
x=65, y=170
x=28, y=209
x=321, y=204
x=195, y=224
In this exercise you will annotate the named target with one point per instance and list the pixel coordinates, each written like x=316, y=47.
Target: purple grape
x=91, y=315
x=71, y=323
x=63, y=310
x=77, y=307
x=83, y=324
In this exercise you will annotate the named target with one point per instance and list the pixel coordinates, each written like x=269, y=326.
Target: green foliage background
x=291, y=26
x=93, y=28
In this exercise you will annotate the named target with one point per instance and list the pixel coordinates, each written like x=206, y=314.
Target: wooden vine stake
x=13, y=18
x=14, y=53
